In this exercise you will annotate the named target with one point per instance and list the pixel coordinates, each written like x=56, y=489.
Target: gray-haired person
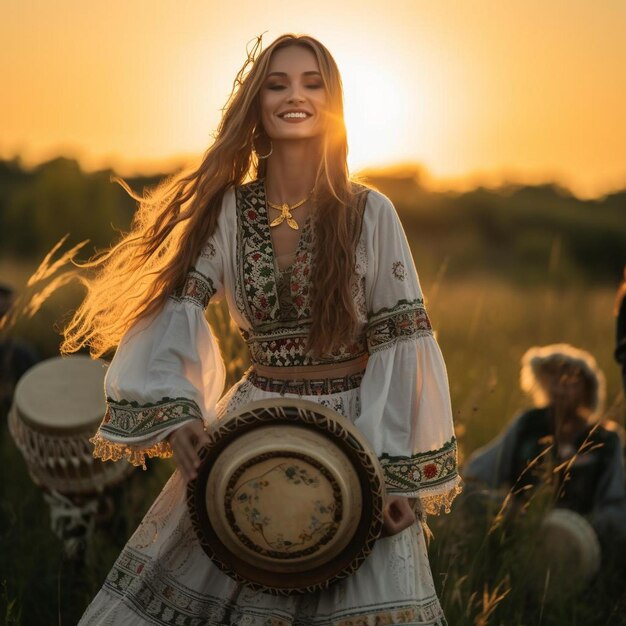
x=562, y=428
x=16, y=356
x=620, y=334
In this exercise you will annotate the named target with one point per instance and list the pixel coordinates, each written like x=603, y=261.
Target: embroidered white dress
x=168, y=370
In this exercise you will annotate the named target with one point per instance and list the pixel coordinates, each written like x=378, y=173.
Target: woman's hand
x=397, y=515
x=186, y=441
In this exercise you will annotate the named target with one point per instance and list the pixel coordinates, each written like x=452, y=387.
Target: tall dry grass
x=485, y=575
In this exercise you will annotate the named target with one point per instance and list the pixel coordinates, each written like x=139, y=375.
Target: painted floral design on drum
x=260, y=506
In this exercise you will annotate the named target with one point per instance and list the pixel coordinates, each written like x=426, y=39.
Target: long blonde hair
x=134, y=277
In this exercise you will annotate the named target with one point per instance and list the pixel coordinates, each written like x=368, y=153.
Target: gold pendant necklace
x=285, y=212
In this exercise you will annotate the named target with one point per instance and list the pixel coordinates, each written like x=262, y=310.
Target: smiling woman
x=319, y=278
x=305, y=85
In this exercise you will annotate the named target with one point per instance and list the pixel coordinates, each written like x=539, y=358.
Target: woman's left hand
x=186, y=441
x=397, y=515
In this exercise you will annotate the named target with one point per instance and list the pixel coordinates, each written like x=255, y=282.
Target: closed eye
x=279, y=87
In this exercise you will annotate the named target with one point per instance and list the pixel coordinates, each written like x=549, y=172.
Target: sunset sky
x=473, y=90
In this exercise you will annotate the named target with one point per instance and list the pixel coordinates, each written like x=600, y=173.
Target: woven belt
x=306, y=387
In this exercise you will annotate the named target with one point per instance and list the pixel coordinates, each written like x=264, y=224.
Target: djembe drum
x=570, y=548
x=58, y=404
x=289, y=497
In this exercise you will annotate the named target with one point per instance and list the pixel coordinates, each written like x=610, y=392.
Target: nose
x=295, y=97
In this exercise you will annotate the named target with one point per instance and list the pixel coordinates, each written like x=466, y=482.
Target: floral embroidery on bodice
x=256, y=288
x=277, y=302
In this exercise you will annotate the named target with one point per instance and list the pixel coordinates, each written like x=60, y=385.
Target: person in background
x=564, y=430
x=620, y=339
x=16, y=356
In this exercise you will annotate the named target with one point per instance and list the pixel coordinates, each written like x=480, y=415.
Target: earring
x=263, y=156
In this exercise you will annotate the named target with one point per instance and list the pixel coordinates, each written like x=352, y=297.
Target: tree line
x=526, y=233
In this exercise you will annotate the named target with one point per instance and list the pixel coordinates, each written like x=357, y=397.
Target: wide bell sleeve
x=167, y=369
x=405, y=401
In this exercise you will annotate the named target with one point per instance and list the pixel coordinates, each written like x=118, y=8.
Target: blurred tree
x=509, y=231
x=40, y=206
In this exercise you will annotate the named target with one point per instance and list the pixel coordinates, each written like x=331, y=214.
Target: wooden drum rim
x=336, y=428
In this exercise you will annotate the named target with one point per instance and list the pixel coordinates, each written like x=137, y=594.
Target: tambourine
x=570, y=545
x=288, y=498
x=58, y=404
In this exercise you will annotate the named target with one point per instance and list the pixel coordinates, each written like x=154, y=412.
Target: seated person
x=620, y=338
x=563, y=429
x=15, y=356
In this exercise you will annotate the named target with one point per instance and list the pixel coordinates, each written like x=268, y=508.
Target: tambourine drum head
x=571, y=545
x=288, y=498
x=58, y=404
x=62, y=395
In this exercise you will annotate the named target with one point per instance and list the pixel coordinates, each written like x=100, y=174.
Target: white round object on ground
x=571, y=546
x=58, y=405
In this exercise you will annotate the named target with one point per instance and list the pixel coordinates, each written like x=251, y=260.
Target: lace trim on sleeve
x=406, y=320
x=109, y=451
x=440, y=503
x=130, y=420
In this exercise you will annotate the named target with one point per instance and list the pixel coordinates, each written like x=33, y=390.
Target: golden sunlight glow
x=386, y=125
x=468, y=93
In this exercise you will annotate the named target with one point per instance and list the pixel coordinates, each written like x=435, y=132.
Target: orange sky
x=530, y=90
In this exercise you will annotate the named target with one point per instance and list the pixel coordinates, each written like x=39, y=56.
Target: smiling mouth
x=294, y=116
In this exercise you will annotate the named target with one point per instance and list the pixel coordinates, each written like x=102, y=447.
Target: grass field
x=483, y=326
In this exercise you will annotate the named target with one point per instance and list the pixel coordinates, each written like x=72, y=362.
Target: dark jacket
x=595, y=485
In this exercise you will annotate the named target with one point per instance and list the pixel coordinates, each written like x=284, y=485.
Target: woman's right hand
x=398, y=514
x=186, y=442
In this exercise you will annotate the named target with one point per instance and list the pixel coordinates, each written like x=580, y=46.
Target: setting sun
x=532, y=93
x=315, y=362
x=387, y=125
